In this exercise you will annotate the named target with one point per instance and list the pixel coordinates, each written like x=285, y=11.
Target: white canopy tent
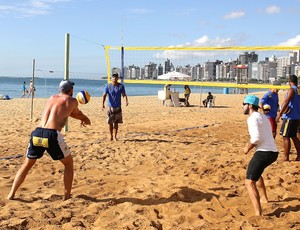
x=174, y=76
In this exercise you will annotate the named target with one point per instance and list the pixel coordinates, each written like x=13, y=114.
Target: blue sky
x=35, y=29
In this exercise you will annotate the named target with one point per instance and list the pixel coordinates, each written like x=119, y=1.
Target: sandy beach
x=172, y=168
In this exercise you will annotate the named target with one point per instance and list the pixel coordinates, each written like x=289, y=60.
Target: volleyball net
x=227, y=67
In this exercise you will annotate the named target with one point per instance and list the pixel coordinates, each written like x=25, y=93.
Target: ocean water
x=46, y=87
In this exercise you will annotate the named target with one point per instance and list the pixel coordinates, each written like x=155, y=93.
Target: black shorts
x=114, y=115
x=289, y=128
x=42, y=139
x=258, y=163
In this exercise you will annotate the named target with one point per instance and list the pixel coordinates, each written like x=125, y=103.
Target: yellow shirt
x=187, y=91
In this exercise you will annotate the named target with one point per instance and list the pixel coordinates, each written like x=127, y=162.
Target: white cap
x=65, y=85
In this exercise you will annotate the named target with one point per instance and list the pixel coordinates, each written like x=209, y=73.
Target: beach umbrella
x=175, y=76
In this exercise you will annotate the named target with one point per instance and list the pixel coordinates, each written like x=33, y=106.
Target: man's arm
x=248, y=147
x=285, y=103
x=77, y=114
x=124, y=95
x=103, y=100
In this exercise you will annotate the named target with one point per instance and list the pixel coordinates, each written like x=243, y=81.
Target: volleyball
x=266, y=107
x=83, y=97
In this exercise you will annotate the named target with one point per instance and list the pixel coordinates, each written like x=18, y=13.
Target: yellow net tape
x=246, y=48
x=208, y=84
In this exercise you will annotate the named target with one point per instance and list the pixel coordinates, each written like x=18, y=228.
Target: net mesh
x=206, y=66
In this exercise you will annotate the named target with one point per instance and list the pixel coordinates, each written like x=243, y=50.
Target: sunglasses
x=245, y=104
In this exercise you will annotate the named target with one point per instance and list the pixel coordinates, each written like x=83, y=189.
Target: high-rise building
x=160, y=70
x=134, y=72
x=282, y=62
x=247, y=58
x=197, y=72
x=168, y=66
x=209, y=70
x=150, y=71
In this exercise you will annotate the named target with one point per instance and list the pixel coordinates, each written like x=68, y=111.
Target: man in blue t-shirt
x=269, y=104
x=290, y=113
x=114, y=91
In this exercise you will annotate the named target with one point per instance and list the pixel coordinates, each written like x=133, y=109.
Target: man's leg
x=111, y=131
x=262, y=189
x=297, y=147
x=68, y=175
x=254, y=196
x=116, y=127
x=286, y=148
x=20, y=176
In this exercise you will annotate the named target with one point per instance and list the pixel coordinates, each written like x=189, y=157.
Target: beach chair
x=161, y=95
x=182, y=101
x=175, y=99
x=211, y=102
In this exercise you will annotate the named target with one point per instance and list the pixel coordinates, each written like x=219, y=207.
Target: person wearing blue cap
x=266, y=153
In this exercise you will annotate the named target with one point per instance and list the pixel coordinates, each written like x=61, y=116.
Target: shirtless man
x=47, y=136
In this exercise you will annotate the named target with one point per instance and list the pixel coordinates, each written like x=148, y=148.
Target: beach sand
x=172, y=168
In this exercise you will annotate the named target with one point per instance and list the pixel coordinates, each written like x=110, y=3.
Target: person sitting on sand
x=47, y=136
x=266, y=153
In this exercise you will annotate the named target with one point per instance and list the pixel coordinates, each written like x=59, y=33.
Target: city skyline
x=247, y=66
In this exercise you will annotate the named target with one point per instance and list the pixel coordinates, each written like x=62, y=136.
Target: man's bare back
x=57, y=110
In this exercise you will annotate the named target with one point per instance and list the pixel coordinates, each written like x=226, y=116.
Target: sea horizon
x=45, y=87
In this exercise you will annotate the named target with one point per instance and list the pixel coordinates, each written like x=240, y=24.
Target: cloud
x=234, y=14
x=291, y=42
x=272, y=10
x=30, y=8
x=203, y=41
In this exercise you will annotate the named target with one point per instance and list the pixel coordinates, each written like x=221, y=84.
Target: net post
x=122, y=64
x=66, y=71
x=107, y=62
x=31, y=109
